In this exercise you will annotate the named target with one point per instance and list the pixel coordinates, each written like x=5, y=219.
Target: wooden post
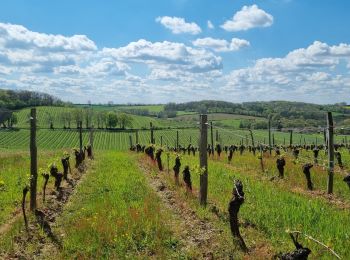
x=270, y=135
x=137, y=136
x=177, y=139
x=246, y=140
x=301, y=136
x=261, y=158
x=291, y=138
x=284, y=140
x=203, y=159
x=324, y=137
x=251, y=136
x=330, y=152
x=33, y=160
x=216, y=136
x=161, y=141
x=273, y=139
x=167, y=157
x=212, y=138
x=316, y=141
x=91, y=137
x=130, y=141
x=152, y=136
x=81, y=137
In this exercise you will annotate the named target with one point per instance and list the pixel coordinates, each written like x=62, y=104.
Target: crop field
x=161, y=219
x=286, y=205
x=119, y=140
x=47, y=114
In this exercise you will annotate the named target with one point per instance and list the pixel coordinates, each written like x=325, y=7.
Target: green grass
x=275, y=208
x=150, y=108
x=109, y=218
x=15, y=172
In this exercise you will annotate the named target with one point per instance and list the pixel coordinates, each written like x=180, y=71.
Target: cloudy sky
x=157, y=51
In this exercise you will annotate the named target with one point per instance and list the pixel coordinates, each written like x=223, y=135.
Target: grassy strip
x=114, y=214
x=15, y=173
x=274, y=209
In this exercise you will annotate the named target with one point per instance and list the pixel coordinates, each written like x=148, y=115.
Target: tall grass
x=115, y=215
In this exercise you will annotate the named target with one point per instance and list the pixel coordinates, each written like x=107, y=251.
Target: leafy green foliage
x=19, y=99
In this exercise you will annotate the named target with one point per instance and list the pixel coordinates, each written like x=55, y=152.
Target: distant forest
x=282, y=113
x=13, y=100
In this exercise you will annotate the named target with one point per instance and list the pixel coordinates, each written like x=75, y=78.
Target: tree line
x=286, y=113
x=91, y=118
x=11, y=99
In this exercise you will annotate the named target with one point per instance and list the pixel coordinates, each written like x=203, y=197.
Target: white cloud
x=308, y=74
x=144, y=71
x=19, y=37
x=174, y=55
x=247, y=18
x=220, y=45
x=210, y=25
x=26, y=50
x=178, y=25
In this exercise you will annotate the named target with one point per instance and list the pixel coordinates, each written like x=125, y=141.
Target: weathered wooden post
x=91, y=141
x=273, y=140
x=270, y=136
x=130, y=141
x=177, y=139
x=161, y=141
x=330, y=152
x=152, y=136
x=291, y=138
x=203, y=160
x=216, y=136
x=33, y=160
x=167, y=158
x=316, y=141
x=324, y=137
x=212, y=138
x=261, y=158
x=252, y=137
x=137, y=136
x=81, y=137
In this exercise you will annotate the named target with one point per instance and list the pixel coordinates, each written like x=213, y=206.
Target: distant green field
x=107, y=140
x=45, y=113
x=151, y=108
x=184, y=119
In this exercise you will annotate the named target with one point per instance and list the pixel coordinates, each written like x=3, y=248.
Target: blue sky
x=161, y=51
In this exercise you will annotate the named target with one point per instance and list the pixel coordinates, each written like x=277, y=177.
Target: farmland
x=149, y=220
x=119, y=140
